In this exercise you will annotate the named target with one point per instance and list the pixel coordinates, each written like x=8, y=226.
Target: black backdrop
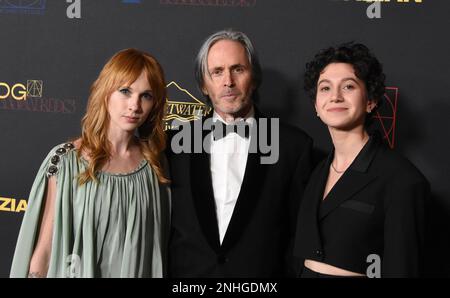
x=55, y=56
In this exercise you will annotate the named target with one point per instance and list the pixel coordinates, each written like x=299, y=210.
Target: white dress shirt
x=228, y=162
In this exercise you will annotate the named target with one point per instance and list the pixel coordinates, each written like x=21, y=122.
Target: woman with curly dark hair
x=363, y=210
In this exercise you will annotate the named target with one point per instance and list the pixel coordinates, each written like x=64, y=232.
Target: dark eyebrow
x=343, y=80
x=350, y=79
x=323, y=81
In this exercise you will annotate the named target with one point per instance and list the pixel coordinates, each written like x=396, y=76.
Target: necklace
x=365, y=139
x=339, y=172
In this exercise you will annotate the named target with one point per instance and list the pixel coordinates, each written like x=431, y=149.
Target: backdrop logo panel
x=34, y=88
x=387, y=115
x=29, y=97
x=224, y=3
x=12, y=205
x=22, y=6
x=21, y=91
x=183, y=106
x=40, y=105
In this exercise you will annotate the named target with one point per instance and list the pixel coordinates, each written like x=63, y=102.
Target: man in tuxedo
x=235, y=202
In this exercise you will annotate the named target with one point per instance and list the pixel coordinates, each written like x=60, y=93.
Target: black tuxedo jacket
x=259, y=238
x=376, y=207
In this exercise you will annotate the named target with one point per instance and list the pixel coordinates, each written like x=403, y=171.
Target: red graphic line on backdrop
x=389, y=134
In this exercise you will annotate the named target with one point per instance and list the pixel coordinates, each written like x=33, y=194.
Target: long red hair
x=123, y=69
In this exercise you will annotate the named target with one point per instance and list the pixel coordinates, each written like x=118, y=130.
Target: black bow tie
x=221, y=130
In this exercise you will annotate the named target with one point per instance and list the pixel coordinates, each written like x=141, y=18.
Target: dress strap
x=56, y=158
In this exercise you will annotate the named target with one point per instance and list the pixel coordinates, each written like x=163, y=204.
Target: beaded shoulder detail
x=53, y=167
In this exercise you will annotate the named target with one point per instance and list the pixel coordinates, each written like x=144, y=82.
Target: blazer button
x=319, y=253
x=222, y=259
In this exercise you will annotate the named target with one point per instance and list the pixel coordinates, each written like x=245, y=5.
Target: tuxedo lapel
x=203, y=196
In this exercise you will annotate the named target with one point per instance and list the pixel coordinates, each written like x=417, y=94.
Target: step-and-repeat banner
x=52, y=50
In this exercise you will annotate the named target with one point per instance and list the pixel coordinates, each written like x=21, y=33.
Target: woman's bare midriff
x=329, y=269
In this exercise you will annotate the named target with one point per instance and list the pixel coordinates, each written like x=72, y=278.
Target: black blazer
x=376, y=207
x=260, y=234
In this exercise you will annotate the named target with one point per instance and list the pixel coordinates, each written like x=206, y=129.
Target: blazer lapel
x=203, y=196
x=309, y=209
x=353, y=180
x=349, y=184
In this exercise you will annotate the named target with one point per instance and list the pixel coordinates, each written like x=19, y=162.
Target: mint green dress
x=115, y=228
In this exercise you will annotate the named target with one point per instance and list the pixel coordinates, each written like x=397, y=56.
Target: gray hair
x=201, y=61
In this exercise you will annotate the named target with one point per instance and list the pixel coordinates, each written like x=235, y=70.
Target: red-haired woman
x=99, y=206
